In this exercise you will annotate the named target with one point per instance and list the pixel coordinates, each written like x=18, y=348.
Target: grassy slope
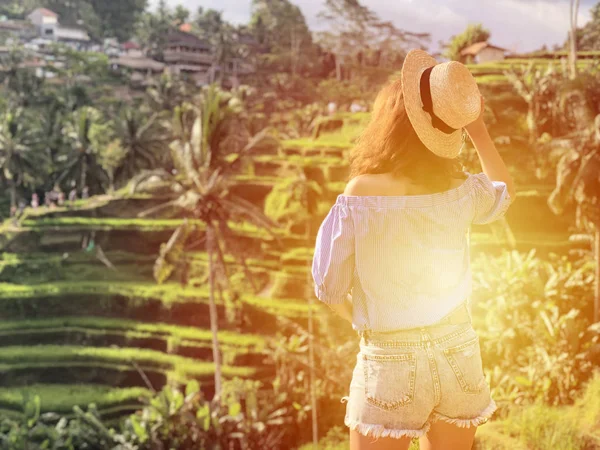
x=62, y=398
x=18, y=357
x=130, y=327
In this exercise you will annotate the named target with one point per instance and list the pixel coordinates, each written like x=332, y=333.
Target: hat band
x=428, y=103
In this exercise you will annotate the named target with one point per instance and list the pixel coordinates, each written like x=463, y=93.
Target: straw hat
x=440, y=99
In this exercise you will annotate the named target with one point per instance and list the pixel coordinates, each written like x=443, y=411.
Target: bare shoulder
x=364, y=184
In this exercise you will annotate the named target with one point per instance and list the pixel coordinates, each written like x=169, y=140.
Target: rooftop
x=137, y=63
x=474, y=49
x=45, y=12
x=72, y=34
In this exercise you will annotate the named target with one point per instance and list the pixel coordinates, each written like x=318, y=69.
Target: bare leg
x=446, y=436
x=360, y=442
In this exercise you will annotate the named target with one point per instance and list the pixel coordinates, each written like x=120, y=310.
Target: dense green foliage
x=473, y=34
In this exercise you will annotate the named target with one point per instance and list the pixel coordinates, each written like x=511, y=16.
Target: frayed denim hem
x=376, y=431
x=466, y=423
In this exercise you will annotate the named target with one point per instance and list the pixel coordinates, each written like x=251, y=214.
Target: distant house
x=17, y=29
x=138, y=64
x=74, y=37
x=187, y=53
x=481, y=52
x=48, y=27
x=45, y=20
x=130, y=48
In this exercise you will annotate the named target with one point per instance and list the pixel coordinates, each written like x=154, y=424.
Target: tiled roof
x=46, y=12
x=477, y=47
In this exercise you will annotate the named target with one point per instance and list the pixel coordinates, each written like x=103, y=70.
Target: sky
x=517, y=25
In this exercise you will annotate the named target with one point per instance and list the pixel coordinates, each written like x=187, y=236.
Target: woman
x=398, y=239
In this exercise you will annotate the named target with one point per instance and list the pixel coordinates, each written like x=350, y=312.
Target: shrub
x=534, y=320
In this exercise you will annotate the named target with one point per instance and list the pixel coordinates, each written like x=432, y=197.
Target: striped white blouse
x=404, y=259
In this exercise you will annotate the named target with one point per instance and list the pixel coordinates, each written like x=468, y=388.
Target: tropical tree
x=200, y=194
x=118, y=18
x=20, y=161
x=473, y=34
x=578, y=184
x=280, y=28
x=152, y=30
x=21, y=84
x=353, y=30
x=211, y=26
x=141, y=139
x=82, y=131
x=537, y=87
x=588, y=37
x=181, y=14
x=166, y=92
x=51, y=124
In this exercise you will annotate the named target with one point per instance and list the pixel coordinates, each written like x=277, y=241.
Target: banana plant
x=534, y=85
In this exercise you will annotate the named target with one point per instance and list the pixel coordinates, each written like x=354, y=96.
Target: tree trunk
x=214, y=327
x=311, y=344
x=338, y=67
x=84, y=168
x=597, y=288
x=13, y=194
x=574, y=10
x=532, y=123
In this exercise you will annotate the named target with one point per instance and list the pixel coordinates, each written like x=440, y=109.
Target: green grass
x=130, y=328
x=353, y=125
x=491, y=79
x=301, y=160
x=167, y=293
x=15, y=259
x=68, y=223
x=61, y=398
x=20, y=357
x=265, y=180
x=90, y=203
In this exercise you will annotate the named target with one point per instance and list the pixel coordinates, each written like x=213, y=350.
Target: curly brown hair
x=390, y=144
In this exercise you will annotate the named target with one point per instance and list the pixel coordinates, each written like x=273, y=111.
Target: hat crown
x=454, y=93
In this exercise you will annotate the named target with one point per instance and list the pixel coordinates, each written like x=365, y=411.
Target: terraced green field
x=61, y=398
x=76, y=331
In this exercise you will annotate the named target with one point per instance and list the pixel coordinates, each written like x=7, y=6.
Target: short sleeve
x=490, y=199
x=333, y=262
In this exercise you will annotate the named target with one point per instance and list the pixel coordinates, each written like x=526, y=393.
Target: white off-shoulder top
x=404, y=259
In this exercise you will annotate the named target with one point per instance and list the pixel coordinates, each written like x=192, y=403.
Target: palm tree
x=200, y=194
x=141, y=139
x=79, y=131
x=20, y=161
x=166, y=92
x=577, y=182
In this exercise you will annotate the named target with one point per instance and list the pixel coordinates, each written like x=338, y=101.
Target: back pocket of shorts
x=465, y=360
x=390, y=379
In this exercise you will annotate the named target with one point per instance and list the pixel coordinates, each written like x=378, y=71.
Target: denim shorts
x=405, y=380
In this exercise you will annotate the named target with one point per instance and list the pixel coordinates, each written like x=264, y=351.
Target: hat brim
x=440, y=143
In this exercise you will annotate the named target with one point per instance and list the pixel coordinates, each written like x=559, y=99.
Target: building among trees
x=481, y=52
x=49, y=28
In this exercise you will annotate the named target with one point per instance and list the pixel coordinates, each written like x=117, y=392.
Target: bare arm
x=491, y=161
